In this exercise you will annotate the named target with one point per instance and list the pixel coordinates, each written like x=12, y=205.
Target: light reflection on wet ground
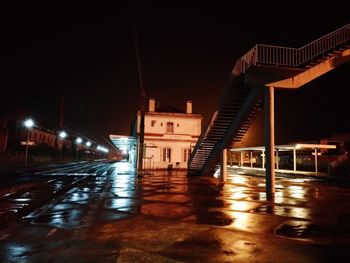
x=116, y=202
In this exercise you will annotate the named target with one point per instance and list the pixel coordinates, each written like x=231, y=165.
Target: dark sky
x=187, y=50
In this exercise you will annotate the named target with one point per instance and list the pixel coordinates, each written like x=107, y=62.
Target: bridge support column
x=223, y=175
x=270, y=141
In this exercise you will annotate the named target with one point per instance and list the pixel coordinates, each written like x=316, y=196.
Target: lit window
x=170, y=127
x=153, y=123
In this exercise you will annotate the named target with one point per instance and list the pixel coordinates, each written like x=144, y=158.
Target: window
x=187, y=153
x=178, y=125
x=153, y=123
x=169, y=127
x=167, y=155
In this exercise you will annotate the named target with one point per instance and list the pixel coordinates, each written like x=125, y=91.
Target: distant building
x=169, y=136
x=13, y=136
x=44, y=144
x=341, y=140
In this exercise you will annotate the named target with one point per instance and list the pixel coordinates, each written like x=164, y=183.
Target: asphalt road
x=103, y=212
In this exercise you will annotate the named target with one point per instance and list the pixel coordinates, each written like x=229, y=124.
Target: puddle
x=312, y=231
x=215, y=218
x=298, y=229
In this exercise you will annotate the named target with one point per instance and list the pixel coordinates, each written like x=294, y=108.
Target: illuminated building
x=170, y=135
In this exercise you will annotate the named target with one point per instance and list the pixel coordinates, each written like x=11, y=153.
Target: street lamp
x=29, y=123
x=62, y=135
x=78, y=141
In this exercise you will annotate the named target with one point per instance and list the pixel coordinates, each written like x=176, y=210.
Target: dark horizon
x=187, y=52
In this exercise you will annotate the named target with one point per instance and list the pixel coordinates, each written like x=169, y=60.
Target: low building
x=169, y=135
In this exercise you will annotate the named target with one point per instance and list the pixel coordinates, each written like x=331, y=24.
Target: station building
x=170, y=135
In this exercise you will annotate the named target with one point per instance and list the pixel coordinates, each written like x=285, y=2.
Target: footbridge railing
x=291, y=57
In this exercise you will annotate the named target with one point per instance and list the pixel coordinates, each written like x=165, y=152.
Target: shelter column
x=270, y=141
x=263, y=159
x=251, y=159
x=294, y=159
x=316, y=161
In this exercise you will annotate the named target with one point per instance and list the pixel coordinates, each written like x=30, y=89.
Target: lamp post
x=78, y=141
x=61, y=135
x=29, y=123
x=87, y=145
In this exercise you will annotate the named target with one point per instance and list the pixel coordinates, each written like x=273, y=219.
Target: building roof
x=169, y=109
x=287, y=147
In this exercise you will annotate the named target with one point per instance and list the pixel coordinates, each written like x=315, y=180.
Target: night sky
x=187, y=52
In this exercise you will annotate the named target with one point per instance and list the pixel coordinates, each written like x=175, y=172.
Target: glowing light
x=88, y=144
x=29, y=123
x=79, y=140
x=102, y=149
x=124, y=150
x=62, y=134
x=298, y=146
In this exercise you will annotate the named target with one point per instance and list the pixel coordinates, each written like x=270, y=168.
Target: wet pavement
x=169, y=217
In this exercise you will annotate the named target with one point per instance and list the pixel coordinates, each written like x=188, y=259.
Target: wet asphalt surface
x=115, y=216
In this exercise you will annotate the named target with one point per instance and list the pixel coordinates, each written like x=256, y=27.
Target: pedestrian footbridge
x=251, y=84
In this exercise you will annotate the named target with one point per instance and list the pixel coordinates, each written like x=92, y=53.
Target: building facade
x=169, y=136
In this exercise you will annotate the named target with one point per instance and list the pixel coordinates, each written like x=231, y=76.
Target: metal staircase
x=263, y=66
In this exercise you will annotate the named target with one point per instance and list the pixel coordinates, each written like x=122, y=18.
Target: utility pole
x=61, y=108
x=142, y=99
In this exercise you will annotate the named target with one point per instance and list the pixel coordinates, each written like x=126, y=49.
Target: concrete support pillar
x=241, y=160
x=223, y=165
x=270, y=142
x=277, y=158
x=294, y=159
